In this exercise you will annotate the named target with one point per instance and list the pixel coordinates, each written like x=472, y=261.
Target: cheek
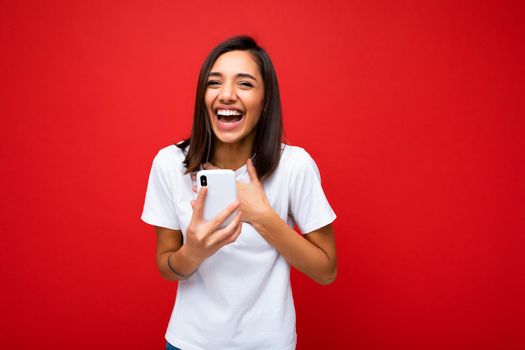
x=256, y=103
x=257, y=110
x=209, y=96
x=254, y=118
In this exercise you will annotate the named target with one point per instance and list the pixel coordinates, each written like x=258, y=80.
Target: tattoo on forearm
x=175, y=271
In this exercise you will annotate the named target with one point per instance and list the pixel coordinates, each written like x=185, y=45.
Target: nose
x=227, y=93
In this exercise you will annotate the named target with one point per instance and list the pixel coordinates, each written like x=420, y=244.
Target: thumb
x=252, y=172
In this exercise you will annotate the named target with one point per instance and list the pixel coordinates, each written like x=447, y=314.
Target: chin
x=228, y=138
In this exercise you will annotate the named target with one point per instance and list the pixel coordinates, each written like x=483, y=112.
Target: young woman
x=234, y=283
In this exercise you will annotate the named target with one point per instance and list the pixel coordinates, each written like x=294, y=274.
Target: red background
x=413, y=111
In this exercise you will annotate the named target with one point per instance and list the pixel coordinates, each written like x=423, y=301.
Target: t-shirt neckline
x=237, y=172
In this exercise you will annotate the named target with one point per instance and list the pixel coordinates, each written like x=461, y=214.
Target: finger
x=233, y=237
x=251, y=171
x=209, y=166
x=223, y=215
x=236, y=234
x=193, y=204
x=237, y=231
x=198, y=205
x=226, y=233
x=194, y=182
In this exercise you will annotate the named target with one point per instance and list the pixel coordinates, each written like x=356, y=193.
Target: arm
x=169, y=246
x=178, y=261
x=314, y=255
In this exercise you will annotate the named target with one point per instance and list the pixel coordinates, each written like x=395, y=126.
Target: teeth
x=228, y=112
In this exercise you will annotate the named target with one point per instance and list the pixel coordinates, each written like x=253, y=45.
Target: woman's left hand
x=254, y=203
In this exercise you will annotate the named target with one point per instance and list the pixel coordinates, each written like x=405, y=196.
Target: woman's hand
x=204, y=238
x=254, y=203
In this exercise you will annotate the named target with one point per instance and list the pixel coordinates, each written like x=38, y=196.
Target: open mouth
x=229, y=115
x=229, y=118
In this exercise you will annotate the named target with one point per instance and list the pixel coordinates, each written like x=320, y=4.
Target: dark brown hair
x=269, y=129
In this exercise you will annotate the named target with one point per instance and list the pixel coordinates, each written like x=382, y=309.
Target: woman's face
x=234, y=96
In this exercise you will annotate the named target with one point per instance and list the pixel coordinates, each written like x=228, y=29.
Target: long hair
x=269, y=129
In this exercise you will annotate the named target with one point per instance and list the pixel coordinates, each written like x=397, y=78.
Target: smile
x=229, y=119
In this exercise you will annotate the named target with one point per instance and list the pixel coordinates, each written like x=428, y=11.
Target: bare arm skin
x=169, y=245
x=314, y=254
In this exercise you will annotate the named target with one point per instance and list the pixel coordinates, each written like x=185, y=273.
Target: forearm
x=177, y=265
x=299, y=252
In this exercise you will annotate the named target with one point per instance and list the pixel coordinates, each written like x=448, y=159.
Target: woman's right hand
x=204, y=238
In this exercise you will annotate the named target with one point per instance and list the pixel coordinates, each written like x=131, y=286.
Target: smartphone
x=222, y=191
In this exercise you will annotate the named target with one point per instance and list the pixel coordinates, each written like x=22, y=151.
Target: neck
x=232, y=155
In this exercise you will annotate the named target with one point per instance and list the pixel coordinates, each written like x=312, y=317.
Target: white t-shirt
x=240, y=298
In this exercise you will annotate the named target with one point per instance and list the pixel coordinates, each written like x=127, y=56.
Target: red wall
x=413, y=111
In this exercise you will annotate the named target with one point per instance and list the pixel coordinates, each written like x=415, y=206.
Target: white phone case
x=222, y=190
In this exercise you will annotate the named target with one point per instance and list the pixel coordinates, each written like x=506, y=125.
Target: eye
x=212, y=82
x=246, y=83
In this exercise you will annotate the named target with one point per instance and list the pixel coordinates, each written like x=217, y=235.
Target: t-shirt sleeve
x=159, y=208
x=308, y=204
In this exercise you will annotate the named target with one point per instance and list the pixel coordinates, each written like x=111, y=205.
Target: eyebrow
x=242, y=75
